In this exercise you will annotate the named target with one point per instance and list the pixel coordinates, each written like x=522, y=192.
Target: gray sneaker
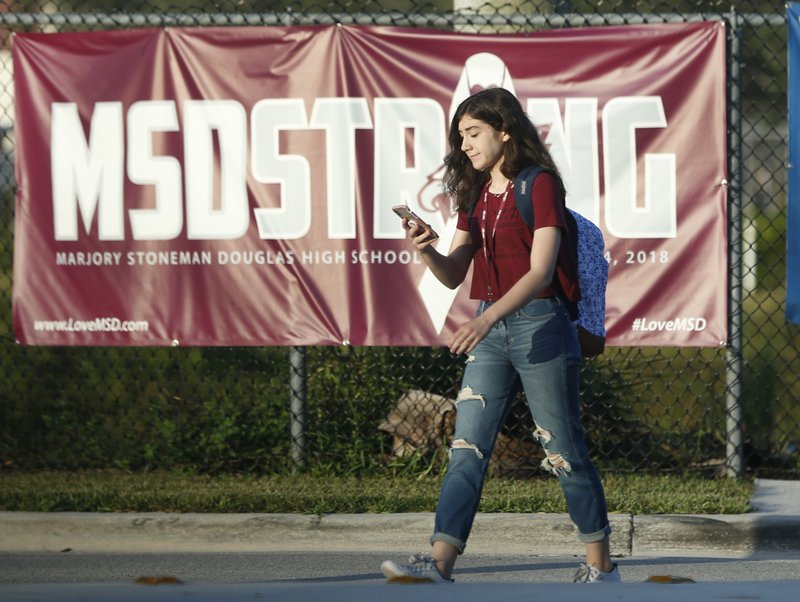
x=419, y=569
x=588, y=573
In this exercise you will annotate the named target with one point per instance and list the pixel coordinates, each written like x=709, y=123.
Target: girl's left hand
x=470, y=334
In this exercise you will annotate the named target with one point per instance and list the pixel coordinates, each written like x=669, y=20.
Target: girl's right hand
x=420, y=237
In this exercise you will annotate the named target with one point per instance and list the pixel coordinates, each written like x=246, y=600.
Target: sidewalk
x=774, y=526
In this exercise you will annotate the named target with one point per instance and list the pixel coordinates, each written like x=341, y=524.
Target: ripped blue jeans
x=537, y=348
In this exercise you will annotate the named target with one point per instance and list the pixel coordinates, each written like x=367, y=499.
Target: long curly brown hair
x=502, y=110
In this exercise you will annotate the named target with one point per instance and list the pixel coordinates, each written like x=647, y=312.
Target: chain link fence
x=351, y=410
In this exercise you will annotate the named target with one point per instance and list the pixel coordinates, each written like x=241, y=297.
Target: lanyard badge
x=485, y=238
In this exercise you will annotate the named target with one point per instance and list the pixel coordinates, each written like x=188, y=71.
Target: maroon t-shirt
x=509, y=239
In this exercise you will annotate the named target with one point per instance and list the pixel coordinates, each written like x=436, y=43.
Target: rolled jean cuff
x=596, y=536
x=453, y=541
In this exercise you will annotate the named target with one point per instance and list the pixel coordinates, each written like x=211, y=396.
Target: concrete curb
x=492, y=534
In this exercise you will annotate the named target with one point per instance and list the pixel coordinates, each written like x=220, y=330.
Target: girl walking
x=522, y=334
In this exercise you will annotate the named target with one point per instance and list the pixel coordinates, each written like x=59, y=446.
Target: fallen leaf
x=158, y=580
x=669, y=579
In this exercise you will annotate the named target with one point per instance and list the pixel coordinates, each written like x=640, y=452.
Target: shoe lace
x=587, y=573
x=422, y=565
x=421, y=562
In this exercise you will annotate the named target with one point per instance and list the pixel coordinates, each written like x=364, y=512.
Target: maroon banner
x=233, y=186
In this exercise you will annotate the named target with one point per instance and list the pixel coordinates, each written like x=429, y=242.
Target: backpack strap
x=523, y=187
x=523, y=191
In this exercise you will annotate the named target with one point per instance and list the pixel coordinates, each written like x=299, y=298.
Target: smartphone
x=404, y=211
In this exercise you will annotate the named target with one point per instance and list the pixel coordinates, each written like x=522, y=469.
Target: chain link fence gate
x=351, y=410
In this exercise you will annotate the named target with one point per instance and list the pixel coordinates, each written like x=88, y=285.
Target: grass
x=118, y=491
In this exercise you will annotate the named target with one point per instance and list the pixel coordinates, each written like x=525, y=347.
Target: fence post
x=734, y=448
x=297, y=386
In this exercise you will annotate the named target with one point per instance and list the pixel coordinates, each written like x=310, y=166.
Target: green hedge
x=228, y=409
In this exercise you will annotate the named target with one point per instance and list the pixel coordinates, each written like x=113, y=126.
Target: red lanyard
x=483, y=221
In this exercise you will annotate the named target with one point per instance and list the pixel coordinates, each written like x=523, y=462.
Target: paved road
x=509, y=579
x=354, y=577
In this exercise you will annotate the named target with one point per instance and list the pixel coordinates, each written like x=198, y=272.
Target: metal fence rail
x=350, y=410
